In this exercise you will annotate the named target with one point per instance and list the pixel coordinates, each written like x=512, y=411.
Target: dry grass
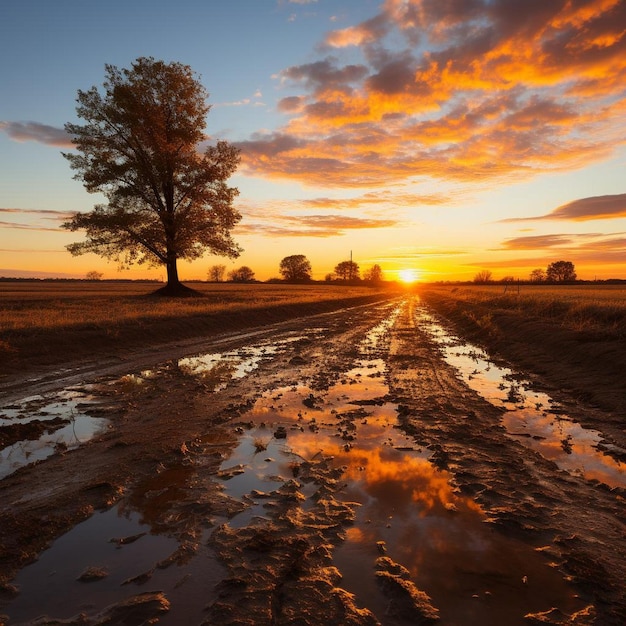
x=581, y=308
x=26, y=306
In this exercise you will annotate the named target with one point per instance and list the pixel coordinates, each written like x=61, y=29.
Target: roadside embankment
x=567, y=340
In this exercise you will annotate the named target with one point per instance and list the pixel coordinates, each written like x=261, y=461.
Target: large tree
x=561, y=272
x=139, y=147
x=295, y=268
x=347, y=270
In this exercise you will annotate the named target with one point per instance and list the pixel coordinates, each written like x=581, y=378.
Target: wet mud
x=366, y=467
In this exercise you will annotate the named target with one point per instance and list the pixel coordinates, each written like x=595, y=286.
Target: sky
x=443, y=137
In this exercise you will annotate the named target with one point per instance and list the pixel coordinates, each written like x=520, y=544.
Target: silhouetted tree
x=139, y=147
x=483, y=277
x=374, y=274
x=295, y=269
x=537, y=276
x=94, y=275
x=242, y=274
x=347, y=270
x=561, y=272
x=216, y=273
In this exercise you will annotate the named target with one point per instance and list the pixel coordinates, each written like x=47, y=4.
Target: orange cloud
x=589, y=250
x=312, y=225
x=478, y=90
x=584, y=209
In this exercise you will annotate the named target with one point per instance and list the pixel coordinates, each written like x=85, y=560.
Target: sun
x=408, y=276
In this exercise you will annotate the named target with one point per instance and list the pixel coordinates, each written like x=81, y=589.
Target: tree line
x=297, y=268
x=556, y=272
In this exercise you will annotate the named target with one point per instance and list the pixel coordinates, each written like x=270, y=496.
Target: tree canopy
x=374, y=274
x=483, y=277
x=243, y=274
x=139, y=147
x=347, y=270
x=561, y=272
x=295, y=268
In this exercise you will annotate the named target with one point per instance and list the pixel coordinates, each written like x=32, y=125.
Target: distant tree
x=242, y=274
x=347, y=270
x=483, y=277
x=374, y=274
x=508, y=279
x=139, y=147
x=537, y=276
x=329, y=277
x=94, y=275
x=216, y=273
x=561, y=272
x=295, y=268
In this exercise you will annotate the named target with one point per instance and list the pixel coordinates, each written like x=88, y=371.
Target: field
x=576, y=307
x=62, y=305
x=278, y=455
x=47, y=323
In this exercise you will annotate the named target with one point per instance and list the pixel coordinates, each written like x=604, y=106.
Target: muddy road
x=361, y=467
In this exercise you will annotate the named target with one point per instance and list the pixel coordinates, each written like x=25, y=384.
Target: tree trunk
x=173, y=282
x=174, y=288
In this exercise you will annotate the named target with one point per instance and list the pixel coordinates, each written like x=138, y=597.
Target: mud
x=340, y=470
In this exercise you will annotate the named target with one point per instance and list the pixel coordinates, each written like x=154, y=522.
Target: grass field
x=51, y=305
x=595, y=308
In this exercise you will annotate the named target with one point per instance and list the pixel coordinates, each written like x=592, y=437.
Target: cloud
x=45, y=215
x=34, y=131
x=459, y=91
x=368, y=32
x=421, y=253
x=592, y=257
x=21, y=226
x=312, y=225
x=585, y=248
x=584, y=209
x=535, y=242
x=377, y=199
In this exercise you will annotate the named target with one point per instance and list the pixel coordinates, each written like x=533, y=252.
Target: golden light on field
x=408, y=276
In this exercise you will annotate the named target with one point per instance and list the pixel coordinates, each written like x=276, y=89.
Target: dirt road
x=346, y=468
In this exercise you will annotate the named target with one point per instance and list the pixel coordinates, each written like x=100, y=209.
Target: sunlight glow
x=408, y=275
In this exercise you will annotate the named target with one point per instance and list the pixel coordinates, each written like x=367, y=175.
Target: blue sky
x=446, y=137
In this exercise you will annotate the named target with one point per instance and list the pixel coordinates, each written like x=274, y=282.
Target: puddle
x=121, y=548
x=218, y=369
x=404, y=508
x=531, y=417
x=46, y=426
x=407, y=510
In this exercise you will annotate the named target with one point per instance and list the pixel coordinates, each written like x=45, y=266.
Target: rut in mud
x=367, y=467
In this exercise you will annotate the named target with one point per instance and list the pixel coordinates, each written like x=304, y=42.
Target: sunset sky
x=442, y=136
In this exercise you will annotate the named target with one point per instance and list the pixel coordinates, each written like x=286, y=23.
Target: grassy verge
x=585, y=308
x=572, y=338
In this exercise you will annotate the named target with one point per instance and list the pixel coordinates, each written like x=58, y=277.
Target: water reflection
x=52, y=584
x=406, y=507
x=47, y=425
x=219, y=368
x=532, y=417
